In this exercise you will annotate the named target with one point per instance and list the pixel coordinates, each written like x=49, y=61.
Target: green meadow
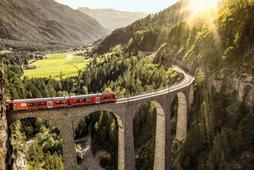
x=57, y=65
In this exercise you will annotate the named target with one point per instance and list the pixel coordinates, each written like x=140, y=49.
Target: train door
x=50, y=104
x=97, y=100
x=9, y=106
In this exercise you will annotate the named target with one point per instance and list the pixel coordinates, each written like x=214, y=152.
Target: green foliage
x=127, y=74
x=80, y=154
x=103, y=128
x=160, y=22
x=40, y=142
x=232, y=136
x=144, y=136
x=145, y=40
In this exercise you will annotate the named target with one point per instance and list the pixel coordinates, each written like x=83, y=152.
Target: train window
x=82, y=100
x=87, y=99
x=106, y=97
x=60, y=102
x=30, y=104
x=23, y=104
x=40, y=103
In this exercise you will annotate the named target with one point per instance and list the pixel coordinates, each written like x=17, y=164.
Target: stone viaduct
x=67, y=120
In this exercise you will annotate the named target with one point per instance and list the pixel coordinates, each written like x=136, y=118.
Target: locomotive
x=60, y=102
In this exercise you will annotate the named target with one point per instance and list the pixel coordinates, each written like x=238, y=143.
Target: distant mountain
x=112, y=19
x=46, y=22
x=158, y=23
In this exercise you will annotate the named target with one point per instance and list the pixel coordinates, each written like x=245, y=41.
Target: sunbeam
x=202, y=6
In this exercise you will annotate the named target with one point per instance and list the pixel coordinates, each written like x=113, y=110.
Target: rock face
x=242, y=84
x=3, y=141
x=20, y=161
x=18, y=156
x=46, y=22
x=3, y=124
x=112, y=19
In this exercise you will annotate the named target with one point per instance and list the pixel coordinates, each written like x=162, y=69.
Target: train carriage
x=84, y=100
x=60, y=102
x=31, y=104
x=107, y=97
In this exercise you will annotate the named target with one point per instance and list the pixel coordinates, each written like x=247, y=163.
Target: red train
x=60, y=102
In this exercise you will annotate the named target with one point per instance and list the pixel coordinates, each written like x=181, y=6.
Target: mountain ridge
x=112, y=19
x=47, y=22
x=160, y=21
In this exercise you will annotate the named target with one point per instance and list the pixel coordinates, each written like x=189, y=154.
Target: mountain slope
x=219, y=47
x=112, y=19
x=161, y=21
x=46, y=22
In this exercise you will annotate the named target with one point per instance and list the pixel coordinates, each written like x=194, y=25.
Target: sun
x=201, y=6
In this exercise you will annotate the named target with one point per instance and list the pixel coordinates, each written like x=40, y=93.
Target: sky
x=148, y=6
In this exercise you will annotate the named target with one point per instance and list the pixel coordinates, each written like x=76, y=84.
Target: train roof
x=26, y=100
x=87, y=95
x=90, y=95
x=61, y=98
x=40, y=99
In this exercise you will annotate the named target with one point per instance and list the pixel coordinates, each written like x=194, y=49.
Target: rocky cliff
x=3, y=124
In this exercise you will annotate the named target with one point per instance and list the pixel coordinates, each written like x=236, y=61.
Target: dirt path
x=91, y=162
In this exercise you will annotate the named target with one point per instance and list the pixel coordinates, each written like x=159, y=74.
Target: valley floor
x=58, y=65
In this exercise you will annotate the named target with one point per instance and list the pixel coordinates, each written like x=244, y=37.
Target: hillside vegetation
x=41, y=143
x=155, y=26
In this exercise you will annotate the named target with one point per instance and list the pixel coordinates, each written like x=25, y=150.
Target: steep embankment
x=3, y=141
x=112, y=19
x=45, y=22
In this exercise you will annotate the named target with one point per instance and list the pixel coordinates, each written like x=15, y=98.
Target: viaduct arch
x=67, y=119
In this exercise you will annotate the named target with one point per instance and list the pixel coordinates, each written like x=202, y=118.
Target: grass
x=56, y=65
